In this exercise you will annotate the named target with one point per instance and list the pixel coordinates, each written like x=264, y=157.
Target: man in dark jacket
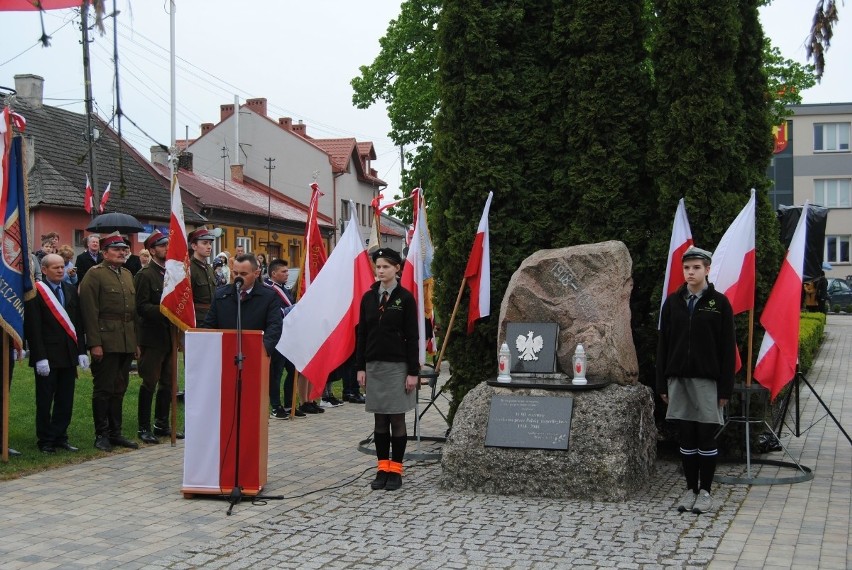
x=89, y=258
x=154, y=333
x=695, y=372
x=260, y=310
x=54, y=331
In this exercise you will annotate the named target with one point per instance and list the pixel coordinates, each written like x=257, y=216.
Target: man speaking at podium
x=260, y=310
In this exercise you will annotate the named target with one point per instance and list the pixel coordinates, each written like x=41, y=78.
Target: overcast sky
x=300, y=55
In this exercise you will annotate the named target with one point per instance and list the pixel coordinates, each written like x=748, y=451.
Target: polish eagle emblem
x=529, y=346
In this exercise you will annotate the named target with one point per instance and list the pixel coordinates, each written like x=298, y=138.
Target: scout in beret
x=387, y=253
x=696, y=357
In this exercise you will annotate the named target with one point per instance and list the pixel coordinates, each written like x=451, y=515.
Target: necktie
x=691, y=304
x=384, y=302
x=243, y=294
x=59, y=295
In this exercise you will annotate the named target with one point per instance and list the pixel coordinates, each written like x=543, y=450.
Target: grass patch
x=81, y=432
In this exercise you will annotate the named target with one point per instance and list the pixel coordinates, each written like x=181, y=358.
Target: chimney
x=205, y=127
x=301, y=129
x=160, y=155
x=225, y=111
x=237, y=173
x=257, y=105
x=185, y=161
x=286, y=122
x=30, y=88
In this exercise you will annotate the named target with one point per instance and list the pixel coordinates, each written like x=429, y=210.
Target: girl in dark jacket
x=386, y=355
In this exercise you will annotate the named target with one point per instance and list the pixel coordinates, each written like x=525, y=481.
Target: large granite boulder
x=611, y=450
x=586, y=290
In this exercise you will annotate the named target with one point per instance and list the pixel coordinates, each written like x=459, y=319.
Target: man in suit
x=89, y=258
x=154, y=333
x=108, y=304
x=54, y=330
x=261, y=308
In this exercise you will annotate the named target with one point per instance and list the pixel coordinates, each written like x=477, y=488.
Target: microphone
x=238, y=283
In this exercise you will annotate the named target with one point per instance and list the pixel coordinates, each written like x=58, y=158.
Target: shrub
x=811, y=328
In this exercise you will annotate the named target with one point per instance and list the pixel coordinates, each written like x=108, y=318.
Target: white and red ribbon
x=57, y=309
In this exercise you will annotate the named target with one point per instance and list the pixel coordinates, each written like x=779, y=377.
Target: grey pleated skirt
x=694, y=400
x=386, y=388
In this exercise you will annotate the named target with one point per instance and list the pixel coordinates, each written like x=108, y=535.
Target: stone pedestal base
x=611, y=451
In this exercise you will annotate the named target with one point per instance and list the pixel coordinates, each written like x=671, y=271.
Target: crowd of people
x=102, y=311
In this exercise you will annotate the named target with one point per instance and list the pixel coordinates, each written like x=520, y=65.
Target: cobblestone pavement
x=126, y=510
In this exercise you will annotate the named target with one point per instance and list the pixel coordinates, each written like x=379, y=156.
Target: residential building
x=814, y=162
x=248, y=144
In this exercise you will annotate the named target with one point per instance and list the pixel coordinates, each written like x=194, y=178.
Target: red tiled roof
x=368, y=149
x=340, y=151
x=245, y=198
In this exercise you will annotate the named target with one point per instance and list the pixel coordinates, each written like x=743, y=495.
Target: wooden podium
x=211, y=413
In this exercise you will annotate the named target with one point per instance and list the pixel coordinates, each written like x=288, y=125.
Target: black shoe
x=280, y=414
x=47, y=449
x=67, y=447
x=316, y=408
x=102, y=443
x=394, y=482
x=355, y=399
x=147, y=437
x=380, y=481
x=14, y=453
x=335, y=403
x=122, y=441
x=308, y=409
x=299, y=413
x=166, y=432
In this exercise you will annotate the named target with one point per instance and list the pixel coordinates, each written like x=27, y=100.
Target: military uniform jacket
x=153, y=329
x=203, y=288
x=45, y=335
x=108, y=303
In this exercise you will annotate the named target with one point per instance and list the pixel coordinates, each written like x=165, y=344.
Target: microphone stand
x=236, y=491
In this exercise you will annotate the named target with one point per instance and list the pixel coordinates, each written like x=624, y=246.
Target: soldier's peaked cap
x=201, y=234
x=114, y=239
x=697, y=253
x=156, y=238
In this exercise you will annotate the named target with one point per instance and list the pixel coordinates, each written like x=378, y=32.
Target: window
x=245, y=242
x=831, y=137
x=837, y=249
x=833, y=192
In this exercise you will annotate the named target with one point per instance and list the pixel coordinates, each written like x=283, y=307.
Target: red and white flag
x=733, y=270
x=89, y=199
x=679, y=243
x=105, y=197
x=417, y=269
x=211, y=377
x=779, y=352
x=478, y=271
x=176, y=303
x=315, y=254
x=319, y=333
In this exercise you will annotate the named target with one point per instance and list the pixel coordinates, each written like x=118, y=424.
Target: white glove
x=15, y=354
x=42, y=367
x=84, y=361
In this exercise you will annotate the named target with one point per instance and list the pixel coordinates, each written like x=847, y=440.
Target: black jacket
x=85, y=262
x=699, y=346
x=45, y=335
x=260, y=311
x=390, y=335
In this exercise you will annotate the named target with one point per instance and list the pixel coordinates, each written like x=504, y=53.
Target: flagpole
x=749, y=364
x=450, y=326
x=174, y=188
x=5, y=442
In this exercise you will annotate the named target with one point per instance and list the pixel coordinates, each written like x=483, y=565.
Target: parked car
x=839, y=293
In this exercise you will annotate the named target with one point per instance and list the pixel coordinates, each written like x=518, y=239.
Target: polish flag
x=417, y=269
x=315, y=254
x=779, y=352
x=210, y=415
x=176, y=302
x=732, y=271
x=105, y=197
x=319, y=333
x=478, y=271
x=89, y=200
x=680, y=242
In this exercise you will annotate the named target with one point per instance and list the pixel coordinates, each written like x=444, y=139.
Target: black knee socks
x=399, y=447
x=383, y=442
x=707, y=468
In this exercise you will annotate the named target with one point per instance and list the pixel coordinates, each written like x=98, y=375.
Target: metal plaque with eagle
x=533, y=347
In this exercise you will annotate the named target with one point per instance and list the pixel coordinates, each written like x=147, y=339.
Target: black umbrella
x=115, y=222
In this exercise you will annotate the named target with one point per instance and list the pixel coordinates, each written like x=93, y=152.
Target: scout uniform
x=108, y=303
